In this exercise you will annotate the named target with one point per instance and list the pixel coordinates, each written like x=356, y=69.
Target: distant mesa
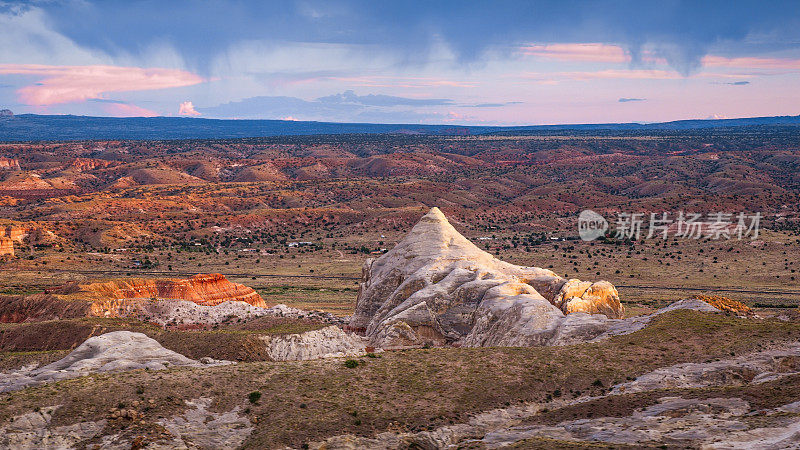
x=436, y=287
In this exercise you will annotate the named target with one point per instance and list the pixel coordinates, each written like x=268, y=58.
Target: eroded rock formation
x=134, y=297
x=9, y=164
x=202, y=289
x=9, y=234
x=329, y=342
x=6, y=246
x=437, y=287
x=727, y=305
x=115, y=351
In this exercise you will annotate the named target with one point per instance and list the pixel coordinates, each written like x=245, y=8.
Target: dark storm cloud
x=682, y=32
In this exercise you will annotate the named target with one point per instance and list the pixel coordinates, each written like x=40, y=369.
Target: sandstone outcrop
x=439, y=288
x=14, y=232
x=6, y=246
x=9, y=234
x=86, y=164
x=202, y=289
x=727, y=305
x=115, y=351
x=9, y=164
x=147, y=299
x=329, y=342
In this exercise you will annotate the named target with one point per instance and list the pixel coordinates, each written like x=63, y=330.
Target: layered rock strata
x=202, y=289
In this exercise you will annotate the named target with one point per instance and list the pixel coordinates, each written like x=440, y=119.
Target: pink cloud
x=128, y=110
x=752, y=63
x=550, y=78
x=66, y=84
x=187, y=109
x=610, y=74
x=591, y=52
x=607, y=53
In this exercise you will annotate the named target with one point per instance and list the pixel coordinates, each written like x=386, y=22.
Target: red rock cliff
x=203, y=289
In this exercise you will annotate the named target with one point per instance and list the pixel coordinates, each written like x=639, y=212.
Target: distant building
x=6, y=113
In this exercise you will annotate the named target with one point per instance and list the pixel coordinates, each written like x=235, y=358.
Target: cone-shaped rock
x=437, y=287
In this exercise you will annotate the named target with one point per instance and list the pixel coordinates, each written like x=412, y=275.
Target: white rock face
x=197, y=428
x=437, y=287
x=115, y=351
x=329, y=342
x=177, y=311
x=201, y=428
x=673, y=419
x=33, y=431
x=753, y=368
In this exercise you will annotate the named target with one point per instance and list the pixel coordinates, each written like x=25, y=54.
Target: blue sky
x=511, y=62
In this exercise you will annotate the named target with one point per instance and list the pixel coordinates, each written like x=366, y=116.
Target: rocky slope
x=437, y=287
x=696, y=421
x=39, y=307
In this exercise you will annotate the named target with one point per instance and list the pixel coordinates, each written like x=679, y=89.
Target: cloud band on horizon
x=65, y=84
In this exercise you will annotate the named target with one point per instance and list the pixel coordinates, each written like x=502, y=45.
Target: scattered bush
x=254, y=396
x=351, y=363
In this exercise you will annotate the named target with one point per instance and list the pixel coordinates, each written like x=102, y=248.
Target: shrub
x=351, y=363
x=254, y=396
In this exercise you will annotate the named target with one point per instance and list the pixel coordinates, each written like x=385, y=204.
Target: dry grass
x=236, y=342
x=410, y=390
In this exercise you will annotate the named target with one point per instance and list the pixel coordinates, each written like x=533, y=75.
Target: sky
x=437, y=62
